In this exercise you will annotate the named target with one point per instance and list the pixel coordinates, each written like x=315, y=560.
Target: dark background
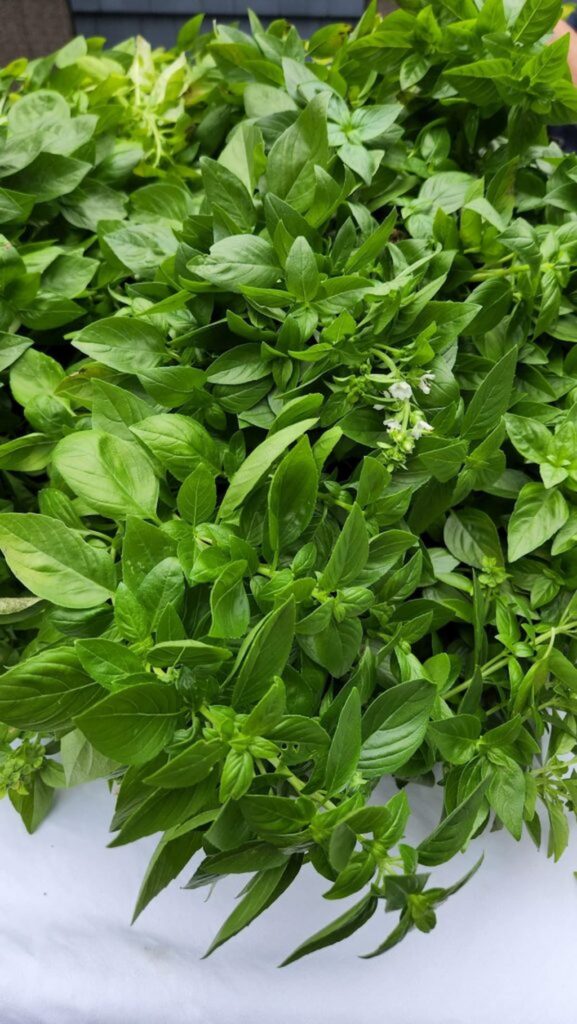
x=32, y=28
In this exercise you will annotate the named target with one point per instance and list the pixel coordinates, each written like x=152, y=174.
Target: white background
x=504, y=950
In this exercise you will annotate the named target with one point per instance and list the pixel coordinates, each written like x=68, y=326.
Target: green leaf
x=394, y=727
x=456, y=737
x=453, y=831
x=143, y=548
x=387, y=823
x=258, y=463
x=113, y=476
x=558, y=830
x=49, y=176
x=372, y=247
x=81, y=762
x=46, y=691
x=178, y=442
x=530, y=437
x=53, y=561
x=34, y=374
x=350, y=553
x=237, y=775
x=268, y=712
x=186, y=652
x=302, y=276
x=107, y=661
x=189, y=766
x=229, y=604
x=122, y=343
x=12, y=346
x=240, y=365
x=397, y=935
x=292, y=496
x=294, y=155
x=506, y=793
x=134, y=724
x=345, y=748
x=264, y=888
x=114, y=409
x=238, y=261
x=237, y=861
x=26, y=454
x=228, y=197
x=34, y=805
x=472, y=538
x=168, y=860
x=336, y=646
x=491, y=399
x=345, y=925
x=138, y=249
x=537, y=515
x=263, y=654
x=535, y=19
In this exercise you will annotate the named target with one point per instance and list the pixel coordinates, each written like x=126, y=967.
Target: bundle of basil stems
x=289, y=458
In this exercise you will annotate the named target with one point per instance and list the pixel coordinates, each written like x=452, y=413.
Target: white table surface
x=504, y=950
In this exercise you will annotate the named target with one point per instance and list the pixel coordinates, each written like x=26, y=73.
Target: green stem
x=492, y=666
x=488, y=275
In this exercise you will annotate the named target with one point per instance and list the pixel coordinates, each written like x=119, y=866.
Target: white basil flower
x=421, y=427
x=425, y=382
x=393, y=425
x=401, y=390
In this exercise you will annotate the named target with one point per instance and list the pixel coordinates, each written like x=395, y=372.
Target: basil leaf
x=471, y=537
x=292, y=496
x=537, y=515
x=263, y=890
x=453, y=831
x=54, y=562
x=134, y=724
x=491, y=400
x=190, y=766
x=258, y=463
x=229, y=603
x=112, y=475
x=345, y=925
x=345, y=748
x=394, y=726
x=122, y=343
x=350, y=553
x=263, y=654
x=46, y=691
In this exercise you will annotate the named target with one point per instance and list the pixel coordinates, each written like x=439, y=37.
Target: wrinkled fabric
x=503, y=949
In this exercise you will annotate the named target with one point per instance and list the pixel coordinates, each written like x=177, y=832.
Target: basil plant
x=288, y=468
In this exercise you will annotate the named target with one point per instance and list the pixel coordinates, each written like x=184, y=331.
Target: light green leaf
x=53, y=561
x=229, y=604
x=263, y=654
x=112, y=475
x=134, y=724
x=258, y=463
x=345, y=748
x=237, y=261
x=491, y=399
x=471, y=536
x=394, y=726
x=537, y=515
x=350, y=553
x=46, y=691
x=122, y=343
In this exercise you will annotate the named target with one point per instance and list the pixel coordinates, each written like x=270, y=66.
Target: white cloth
x=504, y=948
